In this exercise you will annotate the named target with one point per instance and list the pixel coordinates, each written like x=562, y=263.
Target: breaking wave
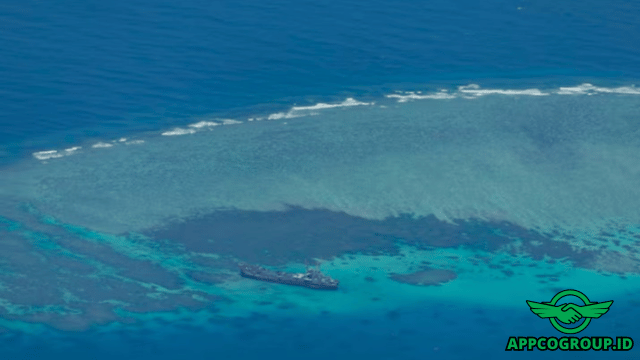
x=471, y=91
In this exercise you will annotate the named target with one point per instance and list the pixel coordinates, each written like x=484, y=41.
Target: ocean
x=447, y=162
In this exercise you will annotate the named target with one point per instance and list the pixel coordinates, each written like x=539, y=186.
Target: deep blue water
x=101, y=70
x=91, y=69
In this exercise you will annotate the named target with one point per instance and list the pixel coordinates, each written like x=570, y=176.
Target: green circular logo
x=569, y=313
x=555, y=322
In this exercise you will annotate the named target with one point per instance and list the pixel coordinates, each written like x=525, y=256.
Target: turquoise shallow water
x=445, y=162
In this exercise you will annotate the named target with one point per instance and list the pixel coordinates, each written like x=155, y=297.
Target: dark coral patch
x=427, y=277
x=508, y=273
x=296, y=235
x=141, y=270
x=208, y=277
x=70, y=283
x=286, y=305
x=277, y=238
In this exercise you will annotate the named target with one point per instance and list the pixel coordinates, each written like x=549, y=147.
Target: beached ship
x=313, y=279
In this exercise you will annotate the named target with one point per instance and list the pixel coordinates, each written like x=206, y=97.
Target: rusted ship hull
x=312, y=279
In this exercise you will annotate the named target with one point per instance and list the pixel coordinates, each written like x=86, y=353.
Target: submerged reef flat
x=563, y=160
x=495, y=187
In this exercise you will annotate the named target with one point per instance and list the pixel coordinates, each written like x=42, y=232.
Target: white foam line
x=299, y=111
x=71, y=150
x=320, y=106
x=470, y=91
x=416, y=96
x=53, y=154
x=589, y=89
x=178, y=131
x=475, y=90
x=204, y=124
x=210, y=124
x=281, y=115
x=45, y=155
